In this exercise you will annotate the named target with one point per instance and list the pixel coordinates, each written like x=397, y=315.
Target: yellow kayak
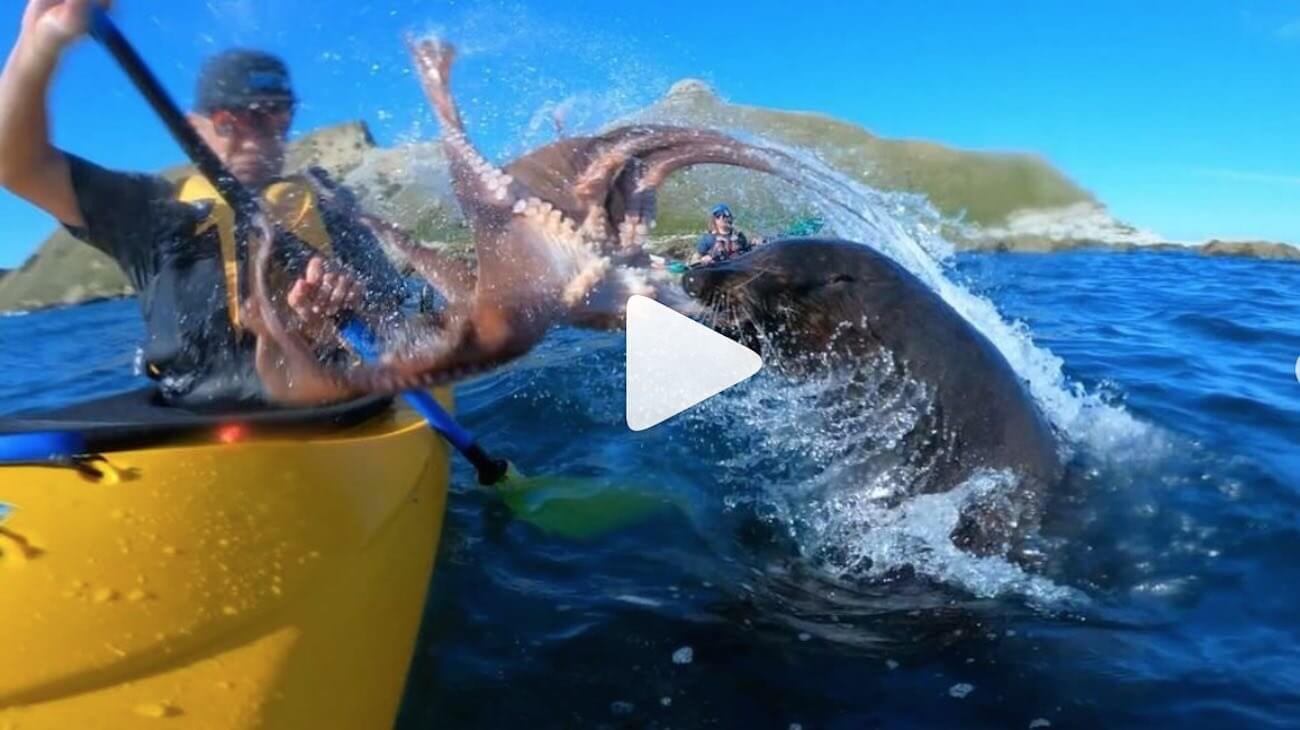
x=239, y=576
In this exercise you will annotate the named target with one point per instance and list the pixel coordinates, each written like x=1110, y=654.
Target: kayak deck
x=276, y=582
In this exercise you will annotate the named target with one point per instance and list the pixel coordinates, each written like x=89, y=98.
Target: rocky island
x=989, y=202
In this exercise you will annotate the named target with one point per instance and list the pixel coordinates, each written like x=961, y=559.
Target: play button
x=674, y=362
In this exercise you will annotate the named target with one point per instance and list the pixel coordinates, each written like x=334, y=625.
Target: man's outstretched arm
x=30, y=166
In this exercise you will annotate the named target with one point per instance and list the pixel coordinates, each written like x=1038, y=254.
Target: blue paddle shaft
x=362, y=340
x=40, y=446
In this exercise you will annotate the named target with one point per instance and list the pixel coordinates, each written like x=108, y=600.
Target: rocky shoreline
x=680, y=246
x=997, y=203
x=1267, y=250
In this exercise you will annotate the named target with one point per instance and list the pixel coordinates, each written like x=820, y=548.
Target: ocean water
x=1165, y=593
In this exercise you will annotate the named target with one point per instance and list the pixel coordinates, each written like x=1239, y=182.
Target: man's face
x=250, y=140
x=723, y=222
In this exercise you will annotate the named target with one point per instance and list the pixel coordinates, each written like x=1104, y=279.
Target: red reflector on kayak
x=232, y=433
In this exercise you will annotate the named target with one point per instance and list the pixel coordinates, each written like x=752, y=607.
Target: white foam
x=874, y=538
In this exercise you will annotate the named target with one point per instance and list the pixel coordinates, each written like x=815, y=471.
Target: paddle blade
x=582, y=509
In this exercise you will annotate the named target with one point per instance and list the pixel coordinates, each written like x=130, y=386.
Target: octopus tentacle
x=453, y=278
x=558, y=234
x=479, y=185
x=290, y=370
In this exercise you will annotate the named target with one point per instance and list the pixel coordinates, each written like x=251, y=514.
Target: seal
x=814, y=306
x=559, y=236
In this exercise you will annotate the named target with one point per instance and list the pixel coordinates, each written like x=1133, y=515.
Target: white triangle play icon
x=674, y=362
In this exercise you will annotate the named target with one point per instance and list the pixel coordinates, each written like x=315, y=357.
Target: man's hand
x=321, y=294
x=49, y=26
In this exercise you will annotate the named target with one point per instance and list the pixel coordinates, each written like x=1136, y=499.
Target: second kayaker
x=174, y=240
x=722, y=241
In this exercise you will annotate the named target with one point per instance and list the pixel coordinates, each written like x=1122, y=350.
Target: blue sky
x=1184, y=117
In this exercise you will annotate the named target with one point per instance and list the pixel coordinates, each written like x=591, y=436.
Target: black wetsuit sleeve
x=123, y=214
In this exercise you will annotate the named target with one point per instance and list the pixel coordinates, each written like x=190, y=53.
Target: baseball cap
x=241, y=78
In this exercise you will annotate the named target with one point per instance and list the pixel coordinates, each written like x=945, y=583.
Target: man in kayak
x=722, y=241
x=175, y=240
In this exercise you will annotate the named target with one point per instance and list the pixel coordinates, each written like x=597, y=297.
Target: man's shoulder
x=90, y=178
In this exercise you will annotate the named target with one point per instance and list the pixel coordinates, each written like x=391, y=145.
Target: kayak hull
x=255, y=584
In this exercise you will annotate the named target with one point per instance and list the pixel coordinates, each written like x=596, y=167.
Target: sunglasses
x=260, y=121
x=723, y=216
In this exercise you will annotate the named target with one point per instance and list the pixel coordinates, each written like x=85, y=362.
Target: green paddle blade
x=581, y=509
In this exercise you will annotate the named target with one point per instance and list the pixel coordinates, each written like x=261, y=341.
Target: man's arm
x=29, y=165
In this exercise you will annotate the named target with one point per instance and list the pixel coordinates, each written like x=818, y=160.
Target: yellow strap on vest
x=291, y=204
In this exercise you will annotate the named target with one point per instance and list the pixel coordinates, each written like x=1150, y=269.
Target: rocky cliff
x=991, y=201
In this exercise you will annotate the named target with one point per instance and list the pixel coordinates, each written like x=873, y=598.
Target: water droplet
x=621, y=708
x=665, y=701
x=104, y=595
x=1040, y=722
x=805, y=636
x=684, y=655
x=891, y=664
x=960, y=690
x=157, y=710
x=229, y=610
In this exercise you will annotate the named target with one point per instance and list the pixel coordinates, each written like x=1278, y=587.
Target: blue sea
x=1166, y=594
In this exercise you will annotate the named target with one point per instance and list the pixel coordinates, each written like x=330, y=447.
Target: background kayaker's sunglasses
x=722, y=216
x=263, y=121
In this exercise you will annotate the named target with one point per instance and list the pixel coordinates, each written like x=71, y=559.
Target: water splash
x=906, y=227
x=838, y=473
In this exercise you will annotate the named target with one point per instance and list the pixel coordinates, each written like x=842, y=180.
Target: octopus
x=559, y=237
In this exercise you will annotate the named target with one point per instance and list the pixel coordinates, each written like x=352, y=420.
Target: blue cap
x=241, y=78
x=721, y=209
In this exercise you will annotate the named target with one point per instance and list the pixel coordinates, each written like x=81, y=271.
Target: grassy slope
x=984, y=187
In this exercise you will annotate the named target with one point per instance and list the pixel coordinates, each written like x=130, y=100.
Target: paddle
x=102, y=28
x=574, y=508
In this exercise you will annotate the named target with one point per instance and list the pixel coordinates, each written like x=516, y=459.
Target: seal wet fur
x=818, y=305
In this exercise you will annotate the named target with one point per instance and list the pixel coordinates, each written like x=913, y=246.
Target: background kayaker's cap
x=721, y=209
x=238, y=79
